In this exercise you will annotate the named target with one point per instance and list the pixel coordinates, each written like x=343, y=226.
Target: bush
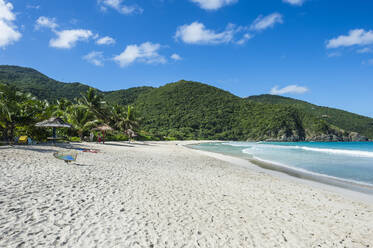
x=75, y=139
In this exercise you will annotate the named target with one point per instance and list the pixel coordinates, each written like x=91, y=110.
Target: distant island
x=187, y=110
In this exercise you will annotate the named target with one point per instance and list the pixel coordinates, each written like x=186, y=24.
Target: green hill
x=342, y=119
x=45, y=88
x=41, y=86
x=191, y=110
x=125, y=97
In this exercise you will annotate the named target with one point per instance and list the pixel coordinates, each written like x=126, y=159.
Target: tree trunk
x=5, y=134
x=11, y=132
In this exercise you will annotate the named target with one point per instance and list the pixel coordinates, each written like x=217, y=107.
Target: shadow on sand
x=117, y=144
x=141, y=144
x=46, y=147
x=34, y=149
x=82, y=165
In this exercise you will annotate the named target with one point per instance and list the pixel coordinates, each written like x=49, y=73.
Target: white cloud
x=33, y=6
x=176, y=57
x=335, y=54
x=8, y=31
x=119, y=6
x=6, y=11
x=354, y=37
x=291, y=89
x=264, y=22
x=43, y=21
x=146, y=52
x=105, y=41
x=294, y=2
x=365, y=50
x=95, y=58
x=68, y=38
x=244, y=39
x=196, y=33
x=213, y=4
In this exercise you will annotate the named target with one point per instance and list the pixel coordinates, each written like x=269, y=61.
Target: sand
x=165, y=195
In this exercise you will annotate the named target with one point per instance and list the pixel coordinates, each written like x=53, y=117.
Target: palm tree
x=128, y=121
x=81, y=119
x=95, y=104
x=59, y=110
x=16, y=110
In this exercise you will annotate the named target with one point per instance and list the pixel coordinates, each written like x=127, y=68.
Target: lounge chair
x=23, y=140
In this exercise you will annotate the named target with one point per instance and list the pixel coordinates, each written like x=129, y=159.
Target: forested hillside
x=125, y=97
x=192, y=110
x=41, y=86
x=342, y=119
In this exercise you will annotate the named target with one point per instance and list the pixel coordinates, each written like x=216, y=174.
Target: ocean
x=351, y=162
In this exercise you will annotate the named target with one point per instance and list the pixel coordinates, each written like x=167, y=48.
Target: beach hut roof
x=103, y=127
x=53, y=122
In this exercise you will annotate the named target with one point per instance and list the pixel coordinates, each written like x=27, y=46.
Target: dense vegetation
x=125, y=97
x=44, y=88
x=190, y=110
x=182, y=110
x=342, y=119
x=19, y=112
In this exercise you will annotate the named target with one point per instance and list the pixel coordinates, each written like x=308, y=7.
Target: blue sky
x=315, y=50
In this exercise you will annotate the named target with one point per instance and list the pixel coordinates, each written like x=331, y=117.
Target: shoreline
x=353, y=191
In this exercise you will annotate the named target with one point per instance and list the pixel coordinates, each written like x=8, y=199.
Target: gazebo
x=54, y=122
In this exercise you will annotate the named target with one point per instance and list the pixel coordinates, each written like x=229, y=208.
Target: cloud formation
x=294, y=2
x=213, y=4
x=290, y=89
x=365, y=50
x=264, y=22
x=354, y=37
x=95, y=58
x=197, y=33
x=68, y=38
x=8, y=31
x=244, y=39
x=105, y=41
x=334, y=54
x=176, y=57
x=120, y=7
x=46, y=22
x=146, y=53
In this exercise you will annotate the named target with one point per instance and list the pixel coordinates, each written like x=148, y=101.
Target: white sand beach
x=161, y=194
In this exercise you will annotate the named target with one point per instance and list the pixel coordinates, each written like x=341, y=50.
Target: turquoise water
x=349, y=161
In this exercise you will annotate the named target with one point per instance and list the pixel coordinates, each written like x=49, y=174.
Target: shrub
x=75, y=139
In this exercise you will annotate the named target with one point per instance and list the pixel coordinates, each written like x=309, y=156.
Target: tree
x=81, y=118
x=128, y=121
x=17, y=109
x=95, y=104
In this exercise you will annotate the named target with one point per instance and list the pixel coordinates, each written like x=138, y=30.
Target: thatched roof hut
x=53, y=122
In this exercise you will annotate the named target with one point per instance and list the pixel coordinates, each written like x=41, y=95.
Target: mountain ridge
x=192, y=110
